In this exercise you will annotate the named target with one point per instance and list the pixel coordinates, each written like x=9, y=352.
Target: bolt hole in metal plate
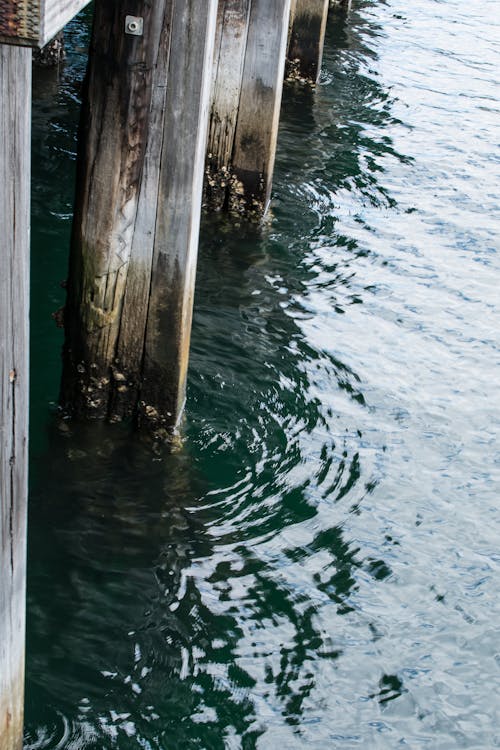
x=134, y=25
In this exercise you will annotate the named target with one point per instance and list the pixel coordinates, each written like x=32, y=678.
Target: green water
x=317, y=565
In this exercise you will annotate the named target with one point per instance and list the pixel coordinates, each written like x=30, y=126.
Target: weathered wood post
x=137, y=211
x=23, y=24
x=307, y=38
x=15, y=128
x=246, y=100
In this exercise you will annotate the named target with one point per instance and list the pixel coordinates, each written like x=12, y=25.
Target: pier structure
x=15, y=129
x=177, y=91
x=23, y=25
x=247, y=85
x=308, y=20
x=137, y=211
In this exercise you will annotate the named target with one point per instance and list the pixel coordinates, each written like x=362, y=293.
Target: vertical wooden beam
x=127, y=367
x=246, y=101
x=112, y=143
x=137, y=211
x=230, y=46
x=305, y=48
x=15, y=125
x=178, y=219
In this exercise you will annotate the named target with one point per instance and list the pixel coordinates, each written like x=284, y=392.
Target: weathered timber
x=113, y=138
x=35, y=22
x=173, y=276
x=137, y=210
x=15, y=125
x=230, y=47
x=306, y=40
x=129, y=343
x=246, y=100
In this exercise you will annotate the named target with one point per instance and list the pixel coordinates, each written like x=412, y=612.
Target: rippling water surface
x=318, y=563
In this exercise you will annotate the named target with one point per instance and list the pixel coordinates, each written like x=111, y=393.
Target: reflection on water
x=316, y=562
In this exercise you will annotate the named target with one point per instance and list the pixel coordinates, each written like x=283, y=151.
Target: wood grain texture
x=15, y=123
x=307, y=38
x=114, y=136
x=137, y=212
x=260, y=102
x=231, y=40
x=127, y=372
x=179, y=207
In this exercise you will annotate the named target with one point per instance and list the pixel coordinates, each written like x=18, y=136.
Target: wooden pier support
x=137, y=212
x=15, y=128
x=307, y=37
x=246, y=100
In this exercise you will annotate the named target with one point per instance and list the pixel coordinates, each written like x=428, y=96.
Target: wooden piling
x=246, y=100
x=15, y=125
x=137, y=210
x=230, y=46
x=173, y=272
x=306, y=41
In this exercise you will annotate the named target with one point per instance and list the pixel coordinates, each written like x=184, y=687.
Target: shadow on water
x=191, y=600
x=161, y=588
x=119, y=634
x=55, y=112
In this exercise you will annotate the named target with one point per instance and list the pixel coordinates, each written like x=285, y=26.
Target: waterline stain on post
x=307, y=38
x=246, y=100
x=136, y=224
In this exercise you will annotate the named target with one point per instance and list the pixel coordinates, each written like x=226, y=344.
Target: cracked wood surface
x=15, y=123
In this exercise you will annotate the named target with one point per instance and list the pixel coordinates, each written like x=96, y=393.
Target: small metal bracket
x=134, y=25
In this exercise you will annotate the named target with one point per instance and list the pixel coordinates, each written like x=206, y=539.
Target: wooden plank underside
x=56, y=14
x=33, y=23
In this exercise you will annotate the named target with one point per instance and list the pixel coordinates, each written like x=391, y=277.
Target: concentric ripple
x=316, y=564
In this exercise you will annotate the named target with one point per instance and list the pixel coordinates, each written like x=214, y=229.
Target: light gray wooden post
x=246, y=101
x=168, y=332
x=307, y=37
x=15, y=125
x=137, y=213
